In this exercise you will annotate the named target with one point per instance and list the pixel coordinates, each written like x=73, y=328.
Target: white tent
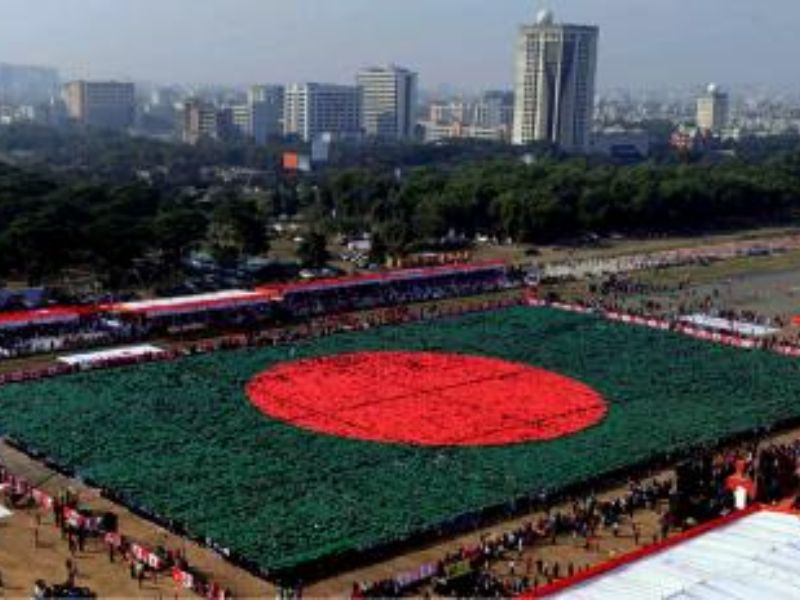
x=91, y=358
x=728, y=326
x=757, y=556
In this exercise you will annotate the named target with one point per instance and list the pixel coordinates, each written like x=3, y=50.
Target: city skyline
x=465, y=44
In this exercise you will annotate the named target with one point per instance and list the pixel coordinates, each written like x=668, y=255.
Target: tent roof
x=751, y=554
x=89, y=358
x=730, y=326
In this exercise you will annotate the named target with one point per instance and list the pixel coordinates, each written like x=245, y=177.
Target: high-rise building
x=311, y=109
x=266, y=111
x=388, y=102
x=204, y=121
x=105, y=104
x=712, y=110
x=554, y=81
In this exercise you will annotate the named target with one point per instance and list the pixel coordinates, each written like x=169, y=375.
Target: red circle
x=426, y=399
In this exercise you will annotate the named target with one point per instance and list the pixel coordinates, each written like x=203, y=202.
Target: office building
x=241, y=119
x=388, y=102
x=204, y=121
x=554, y=79
x=312, y=109
x=493, y=110
x=104, y=104
x=22, y=84
x=712, y=110
x=266, y=112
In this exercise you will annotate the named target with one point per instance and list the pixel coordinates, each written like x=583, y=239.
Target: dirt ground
x=22, y=561
x=768, y=285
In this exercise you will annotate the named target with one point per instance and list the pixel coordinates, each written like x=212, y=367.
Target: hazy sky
x=466, y=43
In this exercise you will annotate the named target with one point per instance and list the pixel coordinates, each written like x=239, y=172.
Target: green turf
x=181, y=438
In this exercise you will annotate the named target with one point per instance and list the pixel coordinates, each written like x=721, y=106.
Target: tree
x=177, y=229
x=313, y=250
x=379, y=250
x=237, y=229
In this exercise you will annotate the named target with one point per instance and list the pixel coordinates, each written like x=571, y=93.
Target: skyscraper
x=106, y=104
x=554, y=83
x=712, y=110
x=388, y=102
x=311, y=109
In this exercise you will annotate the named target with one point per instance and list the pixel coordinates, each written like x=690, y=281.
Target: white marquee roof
x=757, y=556
x=728, y=326
x=90, y=358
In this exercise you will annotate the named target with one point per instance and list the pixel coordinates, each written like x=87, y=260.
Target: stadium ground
x=285, y=496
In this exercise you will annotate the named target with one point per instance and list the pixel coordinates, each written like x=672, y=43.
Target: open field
x=283, y=496
x=609, y=248
x=765, y=285
x=285, y=249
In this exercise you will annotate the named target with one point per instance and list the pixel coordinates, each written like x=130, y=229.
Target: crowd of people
x=703, y=488
x=285, y=334
x=79, y=526
x=472, y=570
x=468, y=571
x=699, y=255
x=325, y=300
x=59, y=337
x=99, y=326
x=625, y=293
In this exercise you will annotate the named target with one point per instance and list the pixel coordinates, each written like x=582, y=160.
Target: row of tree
x=48, y=226
x=552, y=200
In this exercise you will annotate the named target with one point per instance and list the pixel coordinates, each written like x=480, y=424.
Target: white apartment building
x=554, y=83
x=313, y=109
x=388, y=102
